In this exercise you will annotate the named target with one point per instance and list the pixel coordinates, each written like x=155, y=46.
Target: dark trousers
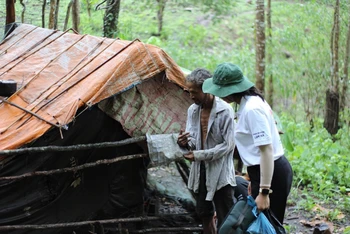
x=222, y=202
x=281, y=185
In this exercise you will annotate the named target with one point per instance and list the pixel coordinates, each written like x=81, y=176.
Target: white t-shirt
x=256, y=126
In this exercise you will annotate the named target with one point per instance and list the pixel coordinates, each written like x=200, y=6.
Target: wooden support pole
x=75, y=224
x=169, y=229
x=107, y=221
x=73, y=147
x=10, y=12
x=74, y=169
x=32, y=113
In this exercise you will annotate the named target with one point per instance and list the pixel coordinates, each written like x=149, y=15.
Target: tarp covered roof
x=59, y=72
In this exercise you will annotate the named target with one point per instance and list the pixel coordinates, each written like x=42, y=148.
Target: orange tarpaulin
x=59, y=72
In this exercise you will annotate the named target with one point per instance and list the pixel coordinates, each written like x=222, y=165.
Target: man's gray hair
x=198, y=76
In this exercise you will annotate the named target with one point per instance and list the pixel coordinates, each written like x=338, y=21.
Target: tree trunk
x=346, y=71
x=56, y=13
x=23, y=10
x=10, y=12
x=110, y=20
x=260, y=45
x=269, y=55
x=52, y=14
x=75, y=15
x=43, y=14
x=332, y=112
x=88, y=7
x=332, y=96
x=335, y=53
x=67, y=15
x=160, y=14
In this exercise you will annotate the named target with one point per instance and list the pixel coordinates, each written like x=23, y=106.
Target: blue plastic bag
x=261, y=224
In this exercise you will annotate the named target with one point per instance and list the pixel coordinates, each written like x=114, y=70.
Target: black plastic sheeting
x=102, y=192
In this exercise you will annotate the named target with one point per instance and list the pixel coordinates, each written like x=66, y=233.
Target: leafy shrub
x=319, y=161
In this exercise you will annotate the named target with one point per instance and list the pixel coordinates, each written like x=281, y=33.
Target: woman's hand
x=262, y=202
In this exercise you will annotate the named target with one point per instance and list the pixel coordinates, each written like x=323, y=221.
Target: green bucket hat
x=227, y=79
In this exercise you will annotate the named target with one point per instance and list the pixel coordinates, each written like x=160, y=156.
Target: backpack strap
x=241, y=216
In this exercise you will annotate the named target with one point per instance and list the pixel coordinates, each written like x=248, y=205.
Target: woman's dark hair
x=251, y=92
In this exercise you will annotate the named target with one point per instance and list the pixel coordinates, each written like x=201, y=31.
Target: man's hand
x=262, y=202
x=182, y=139
x=189, y=156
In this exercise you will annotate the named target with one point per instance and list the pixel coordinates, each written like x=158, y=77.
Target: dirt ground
x=301, y=221
x=167, y=180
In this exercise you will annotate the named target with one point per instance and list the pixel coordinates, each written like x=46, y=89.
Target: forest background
x=299, y=57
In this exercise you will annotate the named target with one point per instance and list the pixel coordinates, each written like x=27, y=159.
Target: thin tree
x=269, y=96
x=332, y=95
x=69, y=7
x=110, y=19
x=43, y=14
x=346, y=71
x=56, y=13
x=76, y=15
x=52, y=17
x=260, y=45
x=160, y=14
x=23, y=10
x=88, y=7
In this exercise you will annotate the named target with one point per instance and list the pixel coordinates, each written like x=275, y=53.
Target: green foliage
x=320, y=163
x=92, y=24
x=154, y=41
x=333, y=214
x=347, y=230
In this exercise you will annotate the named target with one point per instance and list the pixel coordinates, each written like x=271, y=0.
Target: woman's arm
x=266, y=173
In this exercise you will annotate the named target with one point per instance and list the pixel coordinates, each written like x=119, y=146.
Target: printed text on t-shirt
x=258, y=135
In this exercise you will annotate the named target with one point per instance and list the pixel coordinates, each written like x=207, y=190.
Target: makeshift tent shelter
x=78, y=89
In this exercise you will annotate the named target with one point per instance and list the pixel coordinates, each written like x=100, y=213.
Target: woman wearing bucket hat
x=256, y=137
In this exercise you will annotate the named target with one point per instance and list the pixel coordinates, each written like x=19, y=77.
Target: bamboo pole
x=75, y=224
x=33, y=114
x=74, y=169
x=65, y=90
x=29, y=52
x=4, y=51
x=170, y=229
x=107, y=221
x=58, y=86
x=54, y=148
